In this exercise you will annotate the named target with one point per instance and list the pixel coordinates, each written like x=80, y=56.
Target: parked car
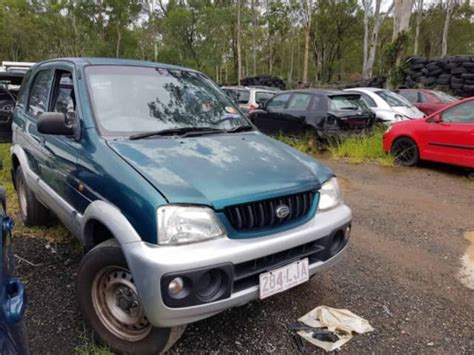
x=12, y=292
x=327, y=113
x=427, y=101
x=249, y=98
x=9, y=86
x=446, y=136
x=186, y=209
x=387, y=105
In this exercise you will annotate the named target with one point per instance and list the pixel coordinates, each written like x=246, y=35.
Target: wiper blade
x=182, y=131
x=240, y=129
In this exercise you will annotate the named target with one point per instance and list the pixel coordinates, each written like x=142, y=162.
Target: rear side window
x=239, y=96
x=261, y=96
x=38, y=102
x=300, y=102
x=411, y=96
x=368, y=100
x=278, y=102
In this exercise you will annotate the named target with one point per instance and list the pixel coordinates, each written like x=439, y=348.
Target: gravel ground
x=400, y=272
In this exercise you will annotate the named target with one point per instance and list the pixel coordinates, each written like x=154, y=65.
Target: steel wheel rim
x=116, y=303
x=22, y=198
x=404, y=151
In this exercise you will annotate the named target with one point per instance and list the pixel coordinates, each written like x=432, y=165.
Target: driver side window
x=278, y=102
x=463, y=113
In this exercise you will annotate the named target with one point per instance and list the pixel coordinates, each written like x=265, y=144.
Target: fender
x=112, y=218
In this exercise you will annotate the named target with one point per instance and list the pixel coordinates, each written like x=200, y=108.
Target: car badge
x=282, y=211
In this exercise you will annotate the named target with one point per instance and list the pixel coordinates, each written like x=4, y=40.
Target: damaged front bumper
x=235, y=263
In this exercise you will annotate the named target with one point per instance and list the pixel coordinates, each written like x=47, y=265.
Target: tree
x=401, y=16
x=444, y=42
x=307, y=6
x=379, y=18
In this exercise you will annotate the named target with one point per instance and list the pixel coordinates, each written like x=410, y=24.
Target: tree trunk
x=366, y=5
x=417, y=29
x=254, y=44
x=119, y=39
x=307, y=31
x=290, y=71
x=378, y=20
x=444, y=42
x=401, y=17
x=239, y=54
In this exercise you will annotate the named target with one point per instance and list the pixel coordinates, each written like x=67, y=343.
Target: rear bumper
x=150, y=263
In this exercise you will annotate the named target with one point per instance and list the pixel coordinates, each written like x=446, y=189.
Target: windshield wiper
x=240, y=129
x=182, y=132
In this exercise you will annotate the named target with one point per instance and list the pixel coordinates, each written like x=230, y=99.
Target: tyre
x=405, y=151
x=109, y=303
x=7, y=105
x=32, y=212
x=458, y=70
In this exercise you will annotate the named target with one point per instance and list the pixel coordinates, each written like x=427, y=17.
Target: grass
x=89, y=347
x=355, y=149
x=54, y=232
x=362, y=149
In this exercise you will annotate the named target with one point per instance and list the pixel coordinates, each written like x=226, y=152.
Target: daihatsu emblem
x=282, y=211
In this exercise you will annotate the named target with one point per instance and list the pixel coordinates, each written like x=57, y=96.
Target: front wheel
x=109, y=302
x=405, y=151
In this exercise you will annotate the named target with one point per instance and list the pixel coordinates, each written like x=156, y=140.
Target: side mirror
x=55, y=123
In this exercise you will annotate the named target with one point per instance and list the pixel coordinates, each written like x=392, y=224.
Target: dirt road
x=402, y=272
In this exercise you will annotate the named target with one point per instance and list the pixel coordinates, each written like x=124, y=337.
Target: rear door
x=452, y=139
x=271, y=118
x=296, y=113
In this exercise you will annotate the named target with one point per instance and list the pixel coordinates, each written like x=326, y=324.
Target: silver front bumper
x=149, y=263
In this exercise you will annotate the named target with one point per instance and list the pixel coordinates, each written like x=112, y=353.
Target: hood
x=222, y=169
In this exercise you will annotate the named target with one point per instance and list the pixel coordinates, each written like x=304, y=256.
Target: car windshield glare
x=443, y=97
x=132, y=99
x=393, y=99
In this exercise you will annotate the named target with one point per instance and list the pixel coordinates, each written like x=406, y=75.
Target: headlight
x=329, y=195
x=187, y=224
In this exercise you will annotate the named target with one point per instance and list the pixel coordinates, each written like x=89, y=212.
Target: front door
x=452, y=139
x=271, y=119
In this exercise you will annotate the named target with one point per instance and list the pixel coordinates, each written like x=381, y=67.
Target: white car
x=389, y=106
x=248, y=98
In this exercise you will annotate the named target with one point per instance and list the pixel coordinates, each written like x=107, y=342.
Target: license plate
x=282, y=279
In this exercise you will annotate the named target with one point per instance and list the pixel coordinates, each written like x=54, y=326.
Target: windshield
x=393, y=99
x=128, y=99
x=239, y=96
x=443, y=97
x=348, y=102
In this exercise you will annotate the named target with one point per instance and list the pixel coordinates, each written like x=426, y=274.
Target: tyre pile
x=455, y=74
x=264, y=80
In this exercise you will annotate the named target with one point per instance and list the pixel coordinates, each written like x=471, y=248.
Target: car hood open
x=222, y=169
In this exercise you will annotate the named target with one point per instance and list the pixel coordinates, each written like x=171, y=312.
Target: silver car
x=249, y=98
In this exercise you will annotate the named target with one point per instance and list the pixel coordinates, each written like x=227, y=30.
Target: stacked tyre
x=455, y=74
x=264, y=80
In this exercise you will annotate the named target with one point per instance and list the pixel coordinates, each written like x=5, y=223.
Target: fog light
x=348, y=232
x=176, y=286
x=209, y=284
x=337, y=243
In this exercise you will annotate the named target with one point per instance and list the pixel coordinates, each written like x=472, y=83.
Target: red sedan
x=427, y=101
x=446, y=136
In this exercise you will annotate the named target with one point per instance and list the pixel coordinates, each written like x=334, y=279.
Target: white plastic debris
x=342, y=322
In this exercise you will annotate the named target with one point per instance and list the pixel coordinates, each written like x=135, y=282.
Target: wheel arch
x=102, y=221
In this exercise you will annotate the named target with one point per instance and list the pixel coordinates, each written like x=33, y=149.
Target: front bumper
x=149, y=263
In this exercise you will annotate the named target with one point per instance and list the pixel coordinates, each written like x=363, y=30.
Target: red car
x=446, y=136
x=427, y=101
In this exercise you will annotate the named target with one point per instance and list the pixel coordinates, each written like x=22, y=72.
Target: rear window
x=347, y=102
x=261, y=97
x=239, y=96
x=443, y=97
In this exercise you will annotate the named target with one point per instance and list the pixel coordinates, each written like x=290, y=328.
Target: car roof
x=328, y=92
x=259, y=88
x=366, y=89
x=85, y=61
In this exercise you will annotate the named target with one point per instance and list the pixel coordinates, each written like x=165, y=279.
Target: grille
x=262, y=214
